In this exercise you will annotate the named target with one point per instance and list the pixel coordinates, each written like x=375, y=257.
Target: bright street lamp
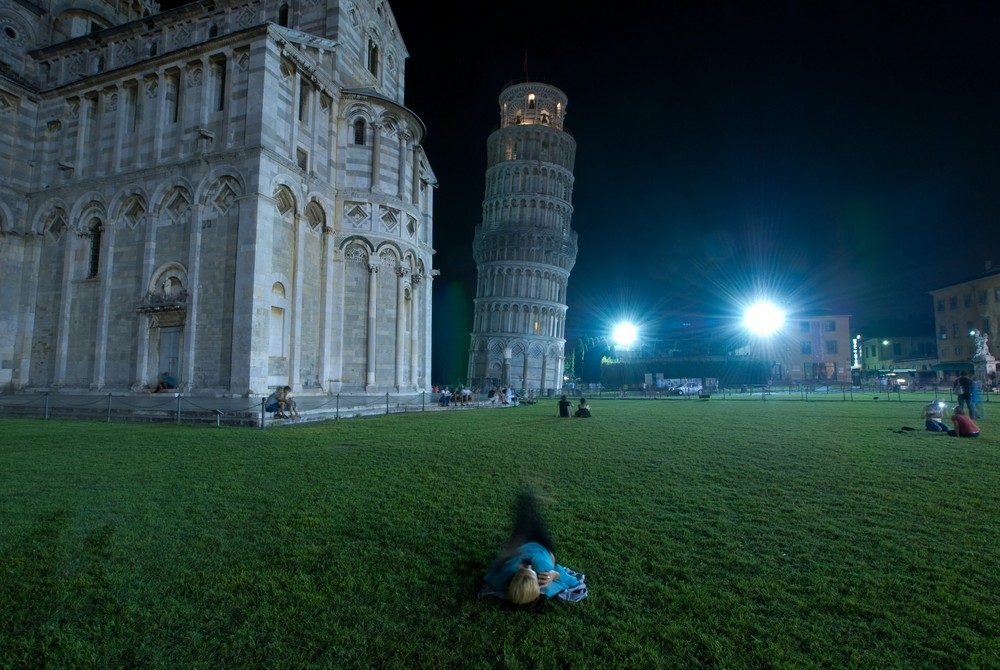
x=763, y=318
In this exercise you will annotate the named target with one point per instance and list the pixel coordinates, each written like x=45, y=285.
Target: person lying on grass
x=526, y=571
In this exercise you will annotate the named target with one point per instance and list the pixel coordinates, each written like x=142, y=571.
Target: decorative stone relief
x=356, y=214
x=390, y=220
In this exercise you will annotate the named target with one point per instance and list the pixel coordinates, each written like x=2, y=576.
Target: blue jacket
x=541, y=561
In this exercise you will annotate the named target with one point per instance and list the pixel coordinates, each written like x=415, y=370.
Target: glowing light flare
x=763, y=318
x=624, y=334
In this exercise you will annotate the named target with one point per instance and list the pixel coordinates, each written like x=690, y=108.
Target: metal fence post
x=263, y=414
x=109, y=408
x=387, y=403
x=336, y=416
x=46, y=404
x=178, y=396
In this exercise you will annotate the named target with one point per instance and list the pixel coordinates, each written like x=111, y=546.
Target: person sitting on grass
x=964, y=426
x=564, y=407
x=526, y=572
x=583, y=409
x=933, y=413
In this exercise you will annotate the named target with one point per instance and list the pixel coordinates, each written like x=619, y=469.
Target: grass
x=713, y=535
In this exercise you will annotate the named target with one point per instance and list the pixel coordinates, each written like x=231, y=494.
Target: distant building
x=960, y=309
x=524, y=247
x=808, y=348
x=232, y=192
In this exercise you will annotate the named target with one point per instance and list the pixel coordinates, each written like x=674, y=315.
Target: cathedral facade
x=230, y=192
x=524, y=247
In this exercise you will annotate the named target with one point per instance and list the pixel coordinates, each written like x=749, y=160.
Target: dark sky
x=840, y=155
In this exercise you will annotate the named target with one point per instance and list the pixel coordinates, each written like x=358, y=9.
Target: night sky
x=836, y=155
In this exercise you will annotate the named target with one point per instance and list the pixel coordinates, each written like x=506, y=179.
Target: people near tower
x=493, y=397
x=583, y=409
x=964, y=426
x=466, y=396
x=511, y=396
x=564, y=407
x=963, y=391
x=933, y=414
x=446, y=397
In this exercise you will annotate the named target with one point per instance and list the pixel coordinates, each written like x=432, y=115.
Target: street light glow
x=763, y=318
x=624, y=334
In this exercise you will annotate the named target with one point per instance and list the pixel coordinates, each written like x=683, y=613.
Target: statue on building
x=982, y=345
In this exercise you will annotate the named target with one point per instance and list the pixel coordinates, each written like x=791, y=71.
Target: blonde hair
x=523, y=588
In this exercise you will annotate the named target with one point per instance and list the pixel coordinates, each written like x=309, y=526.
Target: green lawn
x=713, y=535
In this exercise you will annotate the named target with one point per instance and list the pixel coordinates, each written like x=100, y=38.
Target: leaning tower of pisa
x=524, y=246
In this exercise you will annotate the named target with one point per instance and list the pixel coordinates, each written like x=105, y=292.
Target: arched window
x=94, y=261
x=531, y=101
x=372, y=57
x=359, y=131
x=283, y=15
x=276, y=334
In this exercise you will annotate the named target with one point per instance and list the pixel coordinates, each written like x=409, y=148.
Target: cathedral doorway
x=169, y=351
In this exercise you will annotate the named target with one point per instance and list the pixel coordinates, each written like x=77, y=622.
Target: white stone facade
x=524, y=247
x=232, y=192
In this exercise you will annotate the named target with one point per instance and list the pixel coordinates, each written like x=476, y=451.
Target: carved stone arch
x=168, y=279
x=220, y=190
x=360, y=110
x=284, y=201
x=175, y=203
x=132, y=211
x=388, y=257
x=86, y=207
x=392, y=246
x=315, y=215
x=356, y=249
x=56, y=224
x=357, y=240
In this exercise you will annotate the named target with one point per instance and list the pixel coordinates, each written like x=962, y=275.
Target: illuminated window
x=944, y=333
x=537, y=328
x=531, y=101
